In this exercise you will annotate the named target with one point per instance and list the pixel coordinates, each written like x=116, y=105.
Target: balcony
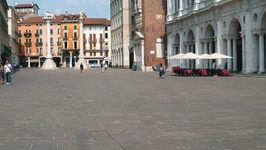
x=84, y=41
x=19, y=35
x=27, y=35
x=28, y=44
x=37, y=34
x=38, y=44
x=101, y=40
x=65, y=38
x=75, y=38
x=51, y=44
x=92, y=40
x=58, y=43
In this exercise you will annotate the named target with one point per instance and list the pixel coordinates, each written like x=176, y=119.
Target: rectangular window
x=58, y=31
x=65, y=35
x=51, y=31
x=37, y=31
x=65, y=45
x=101, y=45
x=101, y=53
x=90, y=53
x=75, y=45
x=106, y=35
x=75, y=27
x=40, y=40
x=58, y=40
x=59, y=50
x=90, y=46
x=41, y=31
x=75, y=35
x=106, y=54
x=65, y=27
x=106, y=28
x=51, y=40
x=94, y=53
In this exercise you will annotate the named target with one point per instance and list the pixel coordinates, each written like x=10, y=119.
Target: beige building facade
x=120, y=33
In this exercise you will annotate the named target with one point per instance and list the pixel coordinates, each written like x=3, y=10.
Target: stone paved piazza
x=126, y=110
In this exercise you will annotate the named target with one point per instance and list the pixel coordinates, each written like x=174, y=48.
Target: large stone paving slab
x=126, y=110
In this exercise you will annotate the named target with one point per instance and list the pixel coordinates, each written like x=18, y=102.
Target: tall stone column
x=205, y=52
x=219, y=43
x=251, y=60
x=181, y=7
x=70, y=59
x=243, y=53
x=229, y=62
x=261, y=53
x=210, y=52
x=142, y=56
x=49, y=62
x=198, y=48
x=234, y=56
x=81, y=52
x=170, y=49
x=28, y=61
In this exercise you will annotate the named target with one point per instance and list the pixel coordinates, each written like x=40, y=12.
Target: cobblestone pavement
x=126, y=110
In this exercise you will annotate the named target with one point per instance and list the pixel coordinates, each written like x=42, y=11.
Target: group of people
x=5, y=71
x=104, y=67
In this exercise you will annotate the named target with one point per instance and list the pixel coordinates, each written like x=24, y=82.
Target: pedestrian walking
x=8, y=70
x=105, y=66
x=2, y=74
x=161, y=71
x=102, y=67
x=81, y=68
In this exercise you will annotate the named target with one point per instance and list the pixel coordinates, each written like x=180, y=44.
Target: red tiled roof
x=25, y=5
x=97, y=21
x=35, y=19
x=87, y=21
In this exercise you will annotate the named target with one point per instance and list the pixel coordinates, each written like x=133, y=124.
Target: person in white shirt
x=8, y=70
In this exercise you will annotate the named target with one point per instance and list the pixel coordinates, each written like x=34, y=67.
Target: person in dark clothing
x=81, y=67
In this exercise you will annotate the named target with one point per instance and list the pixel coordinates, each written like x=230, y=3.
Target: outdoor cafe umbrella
x=219, y=56
x=191, y=55
x=177, y=56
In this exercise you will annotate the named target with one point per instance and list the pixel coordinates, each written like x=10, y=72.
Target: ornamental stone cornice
x=189, y=42
x=206, y=40
x=230, y=36
x=259, y=31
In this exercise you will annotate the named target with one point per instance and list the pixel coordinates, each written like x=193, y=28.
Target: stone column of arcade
x=49, y=62
x=81, y=52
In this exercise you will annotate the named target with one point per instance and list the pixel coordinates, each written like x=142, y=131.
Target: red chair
x=225, y=72
x=189, y=72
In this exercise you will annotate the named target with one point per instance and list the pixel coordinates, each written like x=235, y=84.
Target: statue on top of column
x=48, y=15
x=81, y=14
